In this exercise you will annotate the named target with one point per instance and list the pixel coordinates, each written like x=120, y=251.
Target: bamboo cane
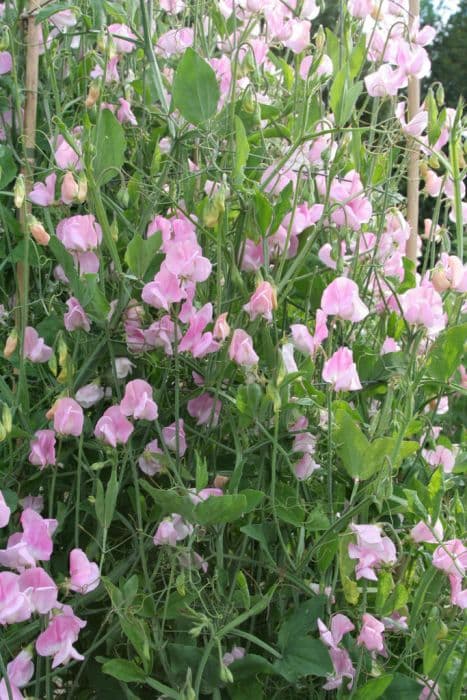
x=413, y=179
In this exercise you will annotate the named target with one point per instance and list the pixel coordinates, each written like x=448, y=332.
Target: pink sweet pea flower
x=172, y=530
x=221, y=330
x=58, y=639
x=195, y=341
x=253, y=256
x=451, y=557
x=5, y=511
x=235, y=654
x=123, y=37
x=42, y=446
x=422, y=533
x=113, y=427
x=172, y=7
x=440, y=457
x=389, y=345
x=424, y=306
x=341, y=371
x=299, y=36
x=371, y=634
x=343, y=668
x=76, y=318
x=148, y=462
x=137, y=401
x=65, y=156
x=169, y=435
x=204, y=494
x=360, y=8
x=192, y=560
x=458, y=594
x=37, y=534
x=184, y=259
x=241, y=349
x=206, y=409
x=14, y=605
x=340, y=625
x=305, y=467
x=89, y=395
x=40, y=590
x=84, y=574
x=164, y=290
x=161, y=334
x=175, y=41
x=385, y=81
x=430, y=690
x=79, y=233
x=19, y=673
x=262, y=302
x=125, y=114
x=341, y=299
x=44, y=195
x=302, y=338
x=6, y=62
x=354, y=208
x=68, y=417
x=371, y=550
x=34, y=347
x=123, y=367
x=288, y=359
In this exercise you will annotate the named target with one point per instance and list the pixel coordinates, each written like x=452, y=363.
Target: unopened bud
x=52, y=364
x=214, y=209
x=226, y=674
x=123, y=197
x=62, y=352
x=19, y=191
x=93, y=96
x=320, y=38
x=7, y=419
x=3, y=432
x=220, y=481
x=51, y=412
x=82, y=188
x=440, y=95
x=38, y=231
x=11, y=344
x=114, y=230
x=4, y=40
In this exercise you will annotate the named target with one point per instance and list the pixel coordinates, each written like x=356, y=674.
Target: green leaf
x=262, y=212
x=301, y=621
x=385, y=587
x=409, y=280
x=446, y=353
x=242, y=585
x=202, y=476
x=430, y=647
x=109, y=144
x=124, y=670
x=111, y=495
x=402, y=688
x=250, y=665
x=374, y=688
x=217, y=510
x=169, y=500
x=195, y=91
x=288, y=508
x=99, y=503
x=138, y=634
x=303, y=656
x=50, y=10
x=8, y=167
x=242, y=152
x=352, y=447
x=140, y=252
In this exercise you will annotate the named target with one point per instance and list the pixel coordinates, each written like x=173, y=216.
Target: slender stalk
x=413, y=175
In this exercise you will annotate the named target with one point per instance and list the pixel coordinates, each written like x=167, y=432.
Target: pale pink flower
x=241, y=349
x=68, y=417
x=288, y=359
x=343, y=668
x=371, y=634
x=353, y=207
x=341, y=371
x=5, y=511
x=299, y=36
x=340, y=625
x=34, y=347
x=65, y=156
x=450, y=273
x=185, y=260
x=148, y=462
x=372, y=550
x=221, y=330
x=172, y=530
x=42, y=447
x=235, y=654
x=85, y=263
x=44, y=195
x=6, y=62
x=84, y=574
x=175, y=41
x=430, y=690
x=19, y=672
x=58, y=639
x=39, y=588
x=195, y=341
x=253, y=256
x=37, y=534
x=70, y=189
x=125, y=114
x=341, y=299
x=123, y=37
x=34, y=502
x=262, y=302
x=89, y=395
x=451, y=557
x=440, y=457
x=206, y=409
x=137, y=401
x=14, y=605
x=360, y=8
x=422, y=533
x=172, y=7
x=79, y=233
x=204, y=494
x=424, y=306
x=389, y=345
x=164, y=290
x=192, y=560
x=169, y=435
x=305, y=467
x=458, y=594
x=123, y=367
x=76, y=318
x=113, y=427
x=161, y=334
x=385, y=81
x=302, y=338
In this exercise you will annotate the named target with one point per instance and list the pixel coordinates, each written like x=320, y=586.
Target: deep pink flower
x=58, y=639
x=371, y=634
x=5, y=511
x=148, y=462
x=172, y=530
x=44, y=195
x=241, y=349
x=84, y=574
x=42, y=446
x=80, y=233
x=76, y=318
x=34, y=347
x=206, y=409
x=137, y=401
x=262, y=302
x=341, y=371
x=122, y=35
x=68, y=417
x=14, y=605
x=113, y=427
x=169, y=435
x=39, y=588
x=341, y=299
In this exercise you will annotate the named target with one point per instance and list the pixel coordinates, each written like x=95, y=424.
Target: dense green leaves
x=109, y=147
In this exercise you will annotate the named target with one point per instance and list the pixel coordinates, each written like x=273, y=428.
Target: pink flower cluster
x=451, y=557
x=372, y=551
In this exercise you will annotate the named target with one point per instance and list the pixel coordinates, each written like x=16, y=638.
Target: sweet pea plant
x=231, y=429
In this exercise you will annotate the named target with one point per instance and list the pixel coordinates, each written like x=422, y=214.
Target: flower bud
x=440, y=95
x=123, y=197
x=7, y=419
x=214, y=208
x=82, y=188
x=52, y=364
x=320, y=38
x=3, y=433
x=11, y=344
x=225, y=674
x=38, y=231
x=220, y=481
x=19, y=191
x=93, y=96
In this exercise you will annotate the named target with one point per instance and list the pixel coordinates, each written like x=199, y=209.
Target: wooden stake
x=413, y=175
